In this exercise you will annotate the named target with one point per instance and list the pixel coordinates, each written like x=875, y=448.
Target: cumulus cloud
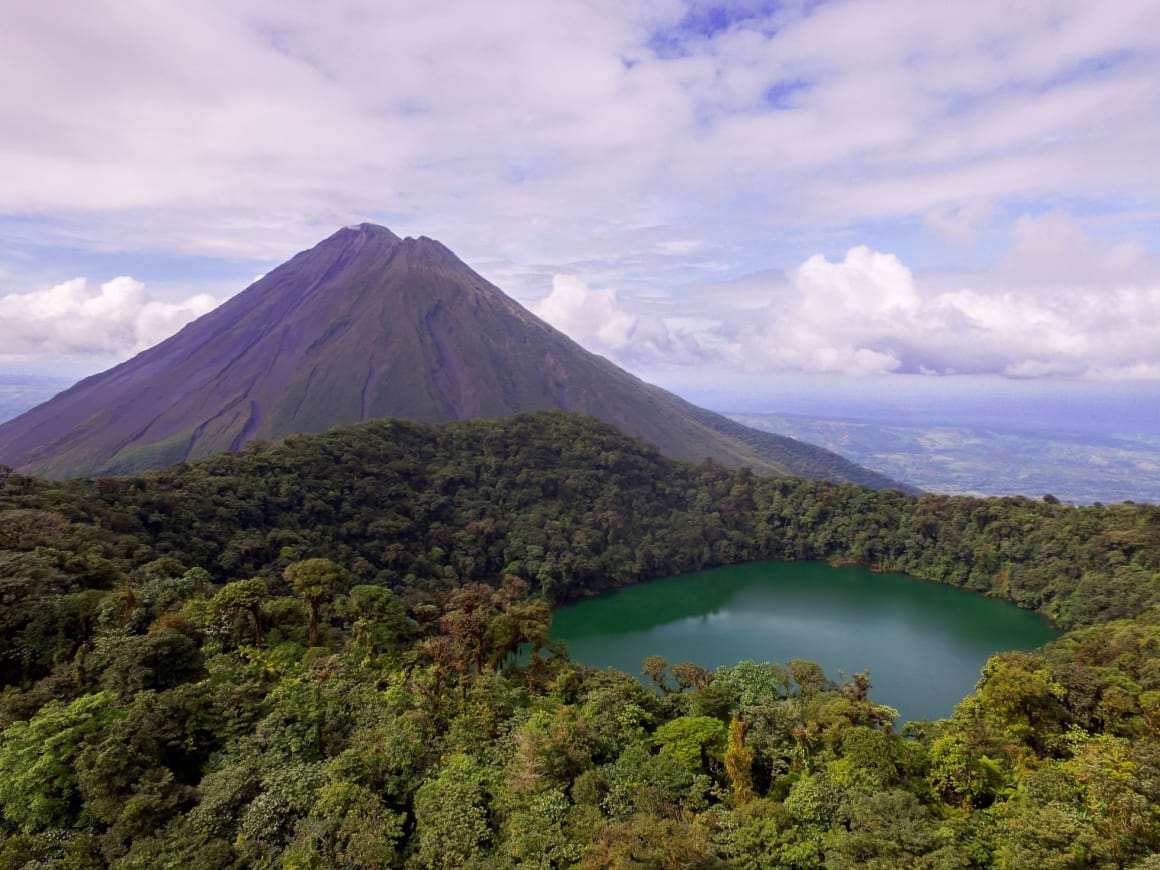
x=74, y=319
x=840, y=317
x=869, y=314
x=1061, y=303
x=597, y=319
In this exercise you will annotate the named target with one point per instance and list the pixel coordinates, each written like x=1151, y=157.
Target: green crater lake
x=923, y=643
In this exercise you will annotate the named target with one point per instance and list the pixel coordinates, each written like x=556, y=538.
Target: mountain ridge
x=363, y=325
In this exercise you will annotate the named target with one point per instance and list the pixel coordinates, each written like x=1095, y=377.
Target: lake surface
x=923, y=643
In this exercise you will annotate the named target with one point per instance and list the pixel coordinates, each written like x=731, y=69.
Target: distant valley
x=18, y=393
x=975, y=459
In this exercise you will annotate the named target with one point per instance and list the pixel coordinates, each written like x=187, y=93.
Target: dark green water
x=923, y=643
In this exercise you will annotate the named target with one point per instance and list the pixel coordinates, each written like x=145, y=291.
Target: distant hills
x=1004, y=458
x=361, y=326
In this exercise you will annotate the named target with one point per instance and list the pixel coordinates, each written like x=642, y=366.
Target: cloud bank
x=866, y=315
x=1063, y=304
x=73, y=319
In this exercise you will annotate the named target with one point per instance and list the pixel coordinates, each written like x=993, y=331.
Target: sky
x=742, y=198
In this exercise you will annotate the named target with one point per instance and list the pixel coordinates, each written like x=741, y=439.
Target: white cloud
x=74, y=319
x=596, y=319
x=836, y=317
x=586, y=314
x=542, y=130
x=1062, y=305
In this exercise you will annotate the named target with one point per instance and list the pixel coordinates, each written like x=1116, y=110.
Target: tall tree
x=315, y=581
x=243, y=596
x=739, y=761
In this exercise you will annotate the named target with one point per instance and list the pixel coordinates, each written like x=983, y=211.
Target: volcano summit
x=364, y=325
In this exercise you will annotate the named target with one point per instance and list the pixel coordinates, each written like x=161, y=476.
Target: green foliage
x=243, y=596
x=451, y=825
x=694, y=741
x=739, y=761
x=38, y=784
x=315, y=581
x=381, y=691
x=348, y=826
x=380, y=620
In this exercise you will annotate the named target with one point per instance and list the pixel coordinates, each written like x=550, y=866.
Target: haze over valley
x=989, y=458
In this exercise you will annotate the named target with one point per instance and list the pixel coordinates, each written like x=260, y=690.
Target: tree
x=809, y=676
x=38, y=776
x=243, y=596
x=883, y=829
x=520, y=622
x=652, y=842
x=739, y=761
x=656, y=669
x=466, y=622
x=380, y=620
x=348, y=826
x=1021, y=700
x=315, y=581
x=539, y=836
x=752, y=684
x=959, y=773
x=158, y=660
x=451, y=828
x=692, y=740
x=690, y=676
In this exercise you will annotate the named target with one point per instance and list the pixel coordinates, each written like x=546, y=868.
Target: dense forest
x=304, y=656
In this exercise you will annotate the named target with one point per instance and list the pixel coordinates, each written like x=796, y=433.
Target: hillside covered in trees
x=302, y=656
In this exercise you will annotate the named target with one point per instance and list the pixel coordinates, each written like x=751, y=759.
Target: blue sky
x=750, y=195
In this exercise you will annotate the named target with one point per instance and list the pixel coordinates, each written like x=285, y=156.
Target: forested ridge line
x=576, y=508
x=299, y=656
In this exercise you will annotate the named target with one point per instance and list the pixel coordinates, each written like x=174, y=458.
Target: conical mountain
x=366, y=325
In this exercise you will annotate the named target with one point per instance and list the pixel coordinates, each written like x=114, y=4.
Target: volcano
x=365, y=325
